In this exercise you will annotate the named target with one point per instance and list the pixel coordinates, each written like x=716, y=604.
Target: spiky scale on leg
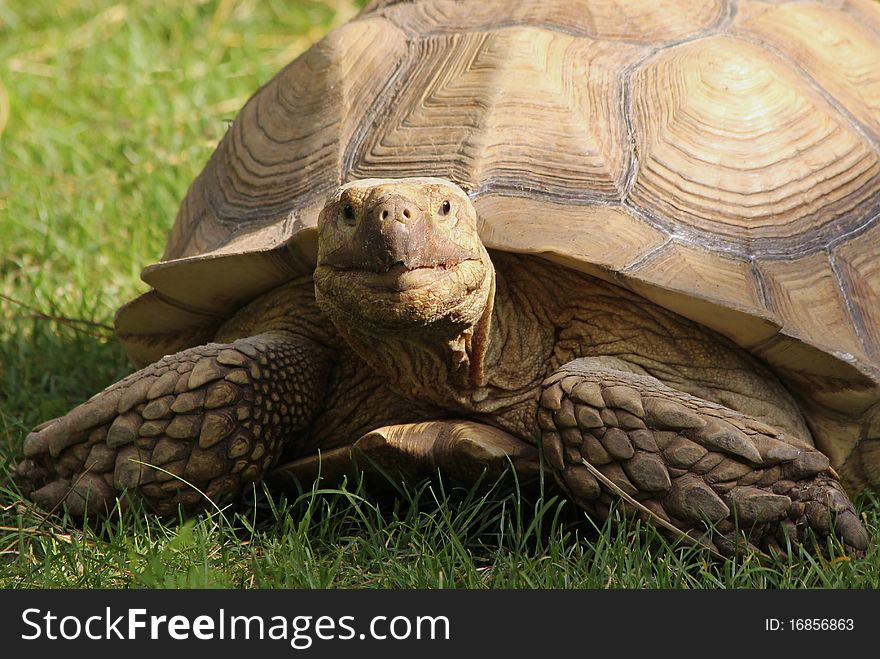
x=688, y=460
x=212, y=418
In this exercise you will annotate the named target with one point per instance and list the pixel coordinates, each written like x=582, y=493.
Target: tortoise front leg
x=687, y=460
x=462, y=451
x=210, y=419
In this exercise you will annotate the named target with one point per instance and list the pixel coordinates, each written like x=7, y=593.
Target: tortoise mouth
x=402, y=297
x=400, y=278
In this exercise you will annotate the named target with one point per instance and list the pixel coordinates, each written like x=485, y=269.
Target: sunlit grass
x=427, y=537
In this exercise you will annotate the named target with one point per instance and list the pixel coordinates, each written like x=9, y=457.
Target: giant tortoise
x=633, y=243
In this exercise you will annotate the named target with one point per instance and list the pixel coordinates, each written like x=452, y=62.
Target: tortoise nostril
x=396, y=208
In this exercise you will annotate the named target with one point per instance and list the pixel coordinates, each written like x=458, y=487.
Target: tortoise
x=631, y=244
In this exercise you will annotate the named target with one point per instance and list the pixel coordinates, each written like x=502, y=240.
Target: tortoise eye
x=445, y=207
x=348, y=212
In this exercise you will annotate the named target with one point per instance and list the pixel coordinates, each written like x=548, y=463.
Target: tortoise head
x=398, y=254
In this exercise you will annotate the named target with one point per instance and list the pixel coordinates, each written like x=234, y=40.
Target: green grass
x=107, y=112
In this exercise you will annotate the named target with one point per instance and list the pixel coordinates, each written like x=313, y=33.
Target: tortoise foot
x=192, y=428
x=676, y=459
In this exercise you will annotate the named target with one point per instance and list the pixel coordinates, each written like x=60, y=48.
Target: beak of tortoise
x=397, y=246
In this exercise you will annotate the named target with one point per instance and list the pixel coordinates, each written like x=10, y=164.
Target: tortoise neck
x=443, y=363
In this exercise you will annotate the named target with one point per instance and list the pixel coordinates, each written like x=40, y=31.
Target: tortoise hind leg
x=463, y=451
x=201, y=422
x=687, y=460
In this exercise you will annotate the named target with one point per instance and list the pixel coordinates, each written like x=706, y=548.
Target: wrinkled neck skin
x=452, y=361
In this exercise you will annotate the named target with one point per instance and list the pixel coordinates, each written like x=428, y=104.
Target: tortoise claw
x=850, y=531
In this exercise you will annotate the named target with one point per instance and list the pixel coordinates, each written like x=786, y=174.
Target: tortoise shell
x=719, y=157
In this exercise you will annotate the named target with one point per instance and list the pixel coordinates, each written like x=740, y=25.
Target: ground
x=107, y=112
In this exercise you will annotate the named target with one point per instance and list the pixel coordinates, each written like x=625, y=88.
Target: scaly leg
x=687, y=460
x=214, y=417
